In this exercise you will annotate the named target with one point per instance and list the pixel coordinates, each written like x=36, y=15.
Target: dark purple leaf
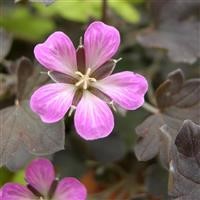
x=185, y=164
x=177, y=100
x=176, y=29
x=25, y=69
x=6, y=42
x=21, y=127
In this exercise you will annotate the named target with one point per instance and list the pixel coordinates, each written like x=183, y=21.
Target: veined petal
x=40, y=174
x=15, y=191
x=126, y=89
x=101, y=43
x=57, y=53
x=70, y=188
x=52, y=101
x=93, y=118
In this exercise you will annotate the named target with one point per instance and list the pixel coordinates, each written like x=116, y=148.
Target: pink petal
x=71, y=189
x=1, y=193
x=93, y=118
x=57, y=53
x=126, y=89
x=52, y=101
x=101, y=43
x=15, y=191
x=40, y=174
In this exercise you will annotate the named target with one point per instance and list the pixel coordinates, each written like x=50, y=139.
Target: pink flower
x=42, y=185
x=83, y=81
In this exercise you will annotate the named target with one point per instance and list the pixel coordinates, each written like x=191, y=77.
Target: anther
x=71, y=110
x=112, y=106
x=80, y=42
x=84, y=79
x=117, y=60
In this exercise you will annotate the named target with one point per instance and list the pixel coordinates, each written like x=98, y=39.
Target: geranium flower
x=42, y=185
x=83, y=81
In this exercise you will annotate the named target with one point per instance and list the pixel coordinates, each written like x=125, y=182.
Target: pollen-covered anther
x=84, y=79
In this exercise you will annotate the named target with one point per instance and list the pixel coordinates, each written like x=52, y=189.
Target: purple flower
x=42, y=185
x=83, y=81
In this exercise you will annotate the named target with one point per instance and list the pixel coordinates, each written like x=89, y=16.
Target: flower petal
x=126, y=89
x=52, y=101
x=15, y=191
x=90, y=117
x=101, y=43
x=1, y=193
x=70, y=188
x=57, y=53
x=40, y=174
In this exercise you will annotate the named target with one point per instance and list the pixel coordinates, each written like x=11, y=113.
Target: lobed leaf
x=176, y=29
x=21, y=127
x=177, y=100
x=185, y=164
x=6, y=42
x=22, y=133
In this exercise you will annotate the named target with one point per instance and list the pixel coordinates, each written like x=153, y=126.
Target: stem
x=104, y=10
x=150, y=108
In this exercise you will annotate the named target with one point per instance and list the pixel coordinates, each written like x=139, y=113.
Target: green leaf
x=76, y=10
x=19, y=177
x=5, y=176
x=126, y=10
x=25, y=25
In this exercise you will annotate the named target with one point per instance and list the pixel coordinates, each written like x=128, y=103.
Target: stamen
x=84, y=79
x=117, y=60
x=49, y=74
x=85, y=84
x=79, y=74
x=71, y=110
x=79, y=82
x=92, y=79
x=88, y=72
x=112, y=106
x=81, y=42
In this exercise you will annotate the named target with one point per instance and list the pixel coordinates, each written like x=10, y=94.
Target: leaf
x=175, y=29
x=76, y=10
x=6, y=42
x=5, y=176
x=45, y=2
x=19, y=177
x=20, y=126
x=29, y=77
x=177, y=101
x=24, y=71
x=20, y=158
x=23, y=134
x=185, y=164
x=23, y=24
x=156, y=181
x=127, y=11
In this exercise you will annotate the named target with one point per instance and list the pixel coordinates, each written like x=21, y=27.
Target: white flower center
x=84, y=79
